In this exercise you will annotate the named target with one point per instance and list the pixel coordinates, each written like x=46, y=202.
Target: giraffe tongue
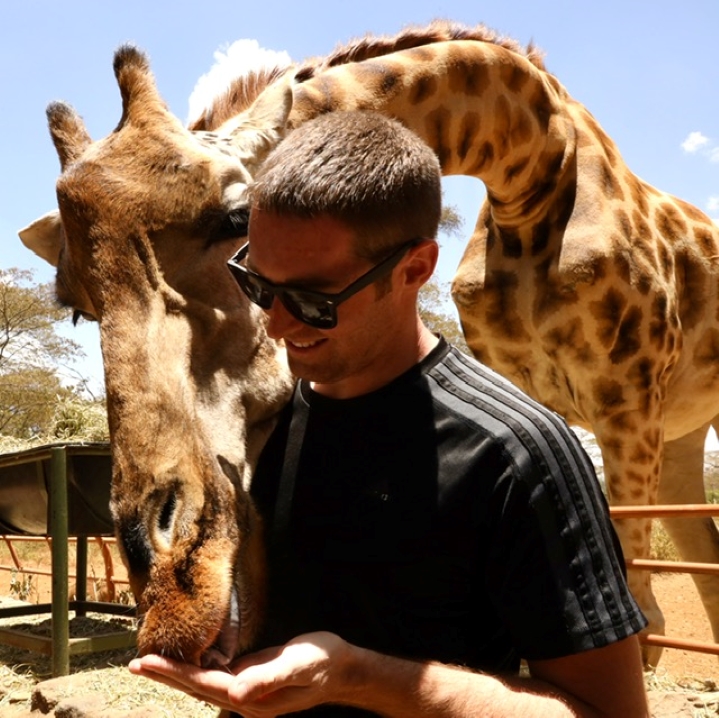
x=222, y=651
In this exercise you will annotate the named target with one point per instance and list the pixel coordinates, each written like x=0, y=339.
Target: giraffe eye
x=232, y=225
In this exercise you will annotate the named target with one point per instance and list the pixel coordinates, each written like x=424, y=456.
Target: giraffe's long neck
x=488, y=112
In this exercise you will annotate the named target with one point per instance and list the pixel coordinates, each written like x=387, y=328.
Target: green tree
x=435, y=305
x=32, y=351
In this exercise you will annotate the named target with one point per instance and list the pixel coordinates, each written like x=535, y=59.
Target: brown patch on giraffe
x=484, y=157
x=569, y=338
x=609, y=184
x=628, y=340
x=468, y=131
x=658, y=325
x=690, y=211
x=541, y=233
x=641, y=375
x=692, y=281
x=608, y=393
x=706, y=241
x=549, y=296
x=514, y=77
x=468, y=78
x=706, y=354
x=652, y=438
x=670, y=222
x=515, y=170
x=500, y=306
x=439, y=134
x=425, y=88
x=511, y=243
x=502, y=123
x=666, y=259
x=615, y=320
x=638, y=192
x=522, y=131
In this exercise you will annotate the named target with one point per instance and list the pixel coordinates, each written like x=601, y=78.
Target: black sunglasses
x=317, y=309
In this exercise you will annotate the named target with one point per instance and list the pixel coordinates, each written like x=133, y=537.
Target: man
x=430, y=525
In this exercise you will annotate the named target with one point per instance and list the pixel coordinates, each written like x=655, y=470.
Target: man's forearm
x=399, y=688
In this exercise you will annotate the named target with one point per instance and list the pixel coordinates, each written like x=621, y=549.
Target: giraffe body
x=590, y=289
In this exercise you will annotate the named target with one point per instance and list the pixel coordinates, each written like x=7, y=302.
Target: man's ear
x=420, y=263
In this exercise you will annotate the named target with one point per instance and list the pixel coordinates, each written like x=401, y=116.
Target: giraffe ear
x=271, y=109
x=260, y=128
x=44, y=237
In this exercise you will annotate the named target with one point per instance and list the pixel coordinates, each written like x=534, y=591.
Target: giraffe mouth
x=223, y=649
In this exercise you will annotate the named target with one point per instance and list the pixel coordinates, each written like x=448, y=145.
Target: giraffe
x=591, y=290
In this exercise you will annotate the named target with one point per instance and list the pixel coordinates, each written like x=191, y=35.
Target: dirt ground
x=685, y=618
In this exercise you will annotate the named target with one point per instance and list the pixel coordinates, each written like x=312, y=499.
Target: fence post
x=59, y=556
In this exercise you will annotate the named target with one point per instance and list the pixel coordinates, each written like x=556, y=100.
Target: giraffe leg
x=633, y=482
x=697, y=539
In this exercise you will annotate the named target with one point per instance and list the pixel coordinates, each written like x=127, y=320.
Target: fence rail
x=671, y=511
x=112, y=579
x=616, y=512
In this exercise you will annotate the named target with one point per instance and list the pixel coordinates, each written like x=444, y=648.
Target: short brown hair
x=359, y=167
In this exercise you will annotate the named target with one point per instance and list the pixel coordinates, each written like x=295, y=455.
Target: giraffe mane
x=248, y=82
x=412, y=36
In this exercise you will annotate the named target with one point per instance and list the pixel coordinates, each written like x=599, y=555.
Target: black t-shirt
x=445, y=516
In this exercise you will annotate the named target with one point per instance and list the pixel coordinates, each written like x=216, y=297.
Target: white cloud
x=231, y=61
x=714, y=154
x=713, y=204
x=694, y=141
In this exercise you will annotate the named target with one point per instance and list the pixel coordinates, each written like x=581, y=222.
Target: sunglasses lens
x=310, y=310
x=255, y=292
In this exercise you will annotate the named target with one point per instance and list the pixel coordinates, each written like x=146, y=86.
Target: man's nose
x=279, y=320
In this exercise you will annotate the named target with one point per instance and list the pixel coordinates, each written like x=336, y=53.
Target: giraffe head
x=147, y=218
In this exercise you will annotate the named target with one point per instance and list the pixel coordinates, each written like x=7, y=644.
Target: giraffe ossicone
x=591, y=290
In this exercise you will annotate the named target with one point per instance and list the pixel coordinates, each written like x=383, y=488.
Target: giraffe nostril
x=164, y=521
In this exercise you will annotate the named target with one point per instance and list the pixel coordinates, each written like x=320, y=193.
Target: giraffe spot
x=706, y=240
x=468, y=78
x=485, y=156
x=424, y=88
x=623, y=422
x=670, y=222
x=609, y=183
x=568, y=338
x=542, y=107
x=502, y=125
x=515, y=169
x=666, y=260
x=627, y=341
x=500, y=305
x=608, y=393
x=437, y=126
x=550, y=297
x=564, y=206
x=638, y=192
x=511, y=244
x=658, y=325
x=468, y=130
x=540, y=237
x=641, y=374
x=652, y=438
x=614, y=447
x=624, y=223
x=513, y=77
x=692, y=288
x=521, y=131
x=691, y=212
x=706, y=353
x=608, y=313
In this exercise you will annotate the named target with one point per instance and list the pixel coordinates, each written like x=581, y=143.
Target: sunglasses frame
x=292, y=298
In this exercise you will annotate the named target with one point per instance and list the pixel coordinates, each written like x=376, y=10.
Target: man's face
x=318, y=254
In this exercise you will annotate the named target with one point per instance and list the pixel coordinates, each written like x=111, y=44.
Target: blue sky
x=646, y=69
